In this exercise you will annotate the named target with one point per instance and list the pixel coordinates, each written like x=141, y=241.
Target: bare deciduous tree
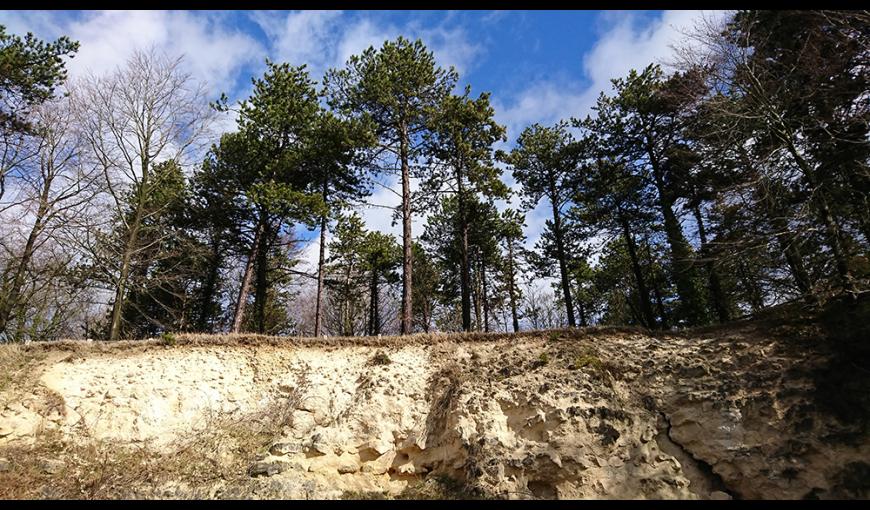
x=50, y=190
x=143, y=113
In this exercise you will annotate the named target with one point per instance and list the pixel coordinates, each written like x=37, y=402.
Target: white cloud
x=544, y=102
x=324, y=39
x=213, y=53
x=303, y=37
x=625, y=46
x=622, y=46
x=359, y=36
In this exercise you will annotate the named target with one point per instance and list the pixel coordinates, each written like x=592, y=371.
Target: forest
x=698, y=191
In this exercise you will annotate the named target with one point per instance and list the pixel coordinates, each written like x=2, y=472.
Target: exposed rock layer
x=602, y=414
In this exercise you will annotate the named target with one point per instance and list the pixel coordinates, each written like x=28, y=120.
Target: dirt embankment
x=751, y=410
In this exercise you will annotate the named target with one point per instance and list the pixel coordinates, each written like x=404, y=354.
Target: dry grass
x=217, y=453
x=16, y=371
x=80, y=347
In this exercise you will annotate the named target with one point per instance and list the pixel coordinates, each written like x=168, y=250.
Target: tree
x=611, y=199
x=643, y=122
x=334, y=157
x=276, y=126
x=165, y=271
x=544, y=168
x=443, y=241
x=511, y=234
x=460, y=144
x=381, y=256
x=794, y=83
x=56, y=188
x=427, y=280
x=30, y=70
x=346, y=267
x=143, y=113
x=393, y=90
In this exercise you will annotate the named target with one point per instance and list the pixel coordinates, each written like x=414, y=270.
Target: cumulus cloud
x=213, y=51
x=325, y=39
x=304, y=37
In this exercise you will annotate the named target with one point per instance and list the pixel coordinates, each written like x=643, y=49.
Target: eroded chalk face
x=622, y=415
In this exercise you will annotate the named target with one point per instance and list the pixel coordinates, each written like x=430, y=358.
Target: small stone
x=320, y=417
x=266, y=468
x=17, y=407
x=719, y=496
x=5, y=465
x=285, y=448
x=374, y=468
x=616, y=462
x=647, y=435
x=320, y=447
x=347, y=468
x=52, y=466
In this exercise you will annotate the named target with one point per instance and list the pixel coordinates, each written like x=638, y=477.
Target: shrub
x=168, y=338
x=590, y=361
x=380, y=358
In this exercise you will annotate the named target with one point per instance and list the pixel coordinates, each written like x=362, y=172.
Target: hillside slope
x=771, y=408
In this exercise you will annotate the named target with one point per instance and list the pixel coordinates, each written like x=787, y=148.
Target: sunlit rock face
x=732, y=413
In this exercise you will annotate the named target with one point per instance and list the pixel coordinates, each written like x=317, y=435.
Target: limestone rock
x=266, y=468
x=744, y=405
x=52, y=466
x=285, y=448
x=347, y=468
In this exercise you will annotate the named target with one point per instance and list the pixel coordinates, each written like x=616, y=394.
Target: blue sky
x=540, y=66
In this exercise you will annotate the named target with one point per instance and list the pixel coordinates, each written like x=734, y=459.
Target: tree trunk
x=511, y=285
x=465, y=270
x=374, y=312
x=581, y=309
x=832, y=229
x=206, y=310
x=126, y=260
x=656, y=287
x=691, y=303
x=477, y=321
x=11, y=303
x=261, y=290
x=408, y=254
x=660, y=304
x=485, y=298
x=321, y=263
x=560, y=252
x=793, y=257
x=347, y=316
x=717, y=295
x=646, y=309
x=246, y=280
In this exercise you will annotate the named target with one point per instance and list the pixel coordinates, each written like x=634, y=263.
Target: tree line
x=735, y=180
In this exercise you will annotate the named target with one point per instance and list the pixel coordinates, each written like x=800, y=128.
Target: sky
x=539, y=66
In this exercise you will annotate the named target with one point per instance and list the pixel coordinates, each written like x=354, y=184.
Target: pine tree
x=393, y=90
